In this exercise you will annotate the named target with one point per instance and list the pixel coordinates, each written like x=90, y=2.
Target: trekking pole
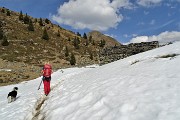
x=40, y=84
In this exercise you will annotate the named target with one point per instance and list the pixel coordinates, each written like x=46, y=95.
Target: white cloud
x=152, y=22
x=146, y=12
x=125, y=35
x=164, y=37
x=121, y=4
x=169, y=14
x=165, y=24
x=139, y=39
x=129, y=36
x=134, y=35
x=92, y=14
x=126, y=17
x=141, y=23
x=112, y=35
x=148, y=3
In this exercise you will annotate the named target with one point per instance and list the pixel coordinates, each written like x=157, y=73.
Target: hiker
x=46, y=73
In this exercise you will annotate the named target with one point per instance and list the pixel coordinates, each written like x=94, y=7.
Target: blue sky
x=125, y=20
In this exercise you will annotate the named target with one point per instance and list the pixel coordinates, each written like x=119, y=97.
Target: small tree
x=91, y=55
x=78, y=34
x=90, y=39
x=76, y=43
x=40, y=22
x=26, y=19
x=69, y=39
x=35, y=20
x=21, y=16
x=78, y=40
x=30, y=26
x=85, y=36
x=45, y=35
x=0, y=23
x=93, y=42
x=66, y=52
x=2, y=10
x=72, y=59
x=58, y=34
x=5, y=41
x=102, y=43
x=1, y=32
x=8, y=13
x=46, y=21
x=87, y=42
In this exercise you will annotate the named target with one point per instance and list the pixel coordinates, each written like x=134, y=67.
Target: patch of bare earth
x=15, y=72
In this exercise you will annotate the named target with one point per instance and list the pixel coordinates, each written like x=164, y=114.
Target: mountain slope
x=141, y=87
x=29, y=47
x=27, y=50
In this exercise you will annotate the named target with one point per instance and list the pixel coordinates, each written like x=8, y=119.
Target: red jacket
x=47, y=70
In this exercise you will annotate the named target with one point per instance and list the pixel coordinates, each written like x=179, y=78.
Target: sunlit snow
x=145, y=86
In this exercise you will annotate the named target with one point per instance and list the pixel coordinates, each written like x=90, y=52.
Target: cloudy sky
x=125, y=20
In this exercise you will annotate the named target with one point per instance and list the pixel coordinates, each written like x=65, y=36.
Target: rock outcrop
x=110, y=54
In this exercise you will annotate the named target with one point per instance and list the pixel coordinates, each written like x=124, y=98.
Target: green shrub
x=5, y=41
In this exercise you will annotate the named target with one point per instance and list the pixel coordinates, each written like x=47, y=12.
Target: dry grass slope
x=27, y=48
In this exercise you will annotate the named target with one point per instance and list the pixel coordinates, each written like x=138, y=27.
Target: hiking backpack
x=47, y=70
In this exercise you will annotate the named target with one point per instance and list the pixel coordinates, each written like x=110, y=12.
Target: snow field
x=141, y=87
x=121, y=90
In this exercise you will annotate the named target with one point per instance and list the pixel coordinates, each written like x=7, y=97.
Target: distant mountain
x=96, y=35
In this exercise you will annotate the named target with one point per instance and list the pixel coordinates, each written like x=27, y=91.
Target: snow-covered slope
x=145, y=86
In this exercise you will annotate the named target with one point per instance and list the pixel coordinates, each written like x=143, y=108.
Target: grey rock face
x=110, y=54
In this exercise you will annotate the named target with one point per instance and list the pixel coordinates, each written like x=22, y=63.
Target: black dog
x=12, y=95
